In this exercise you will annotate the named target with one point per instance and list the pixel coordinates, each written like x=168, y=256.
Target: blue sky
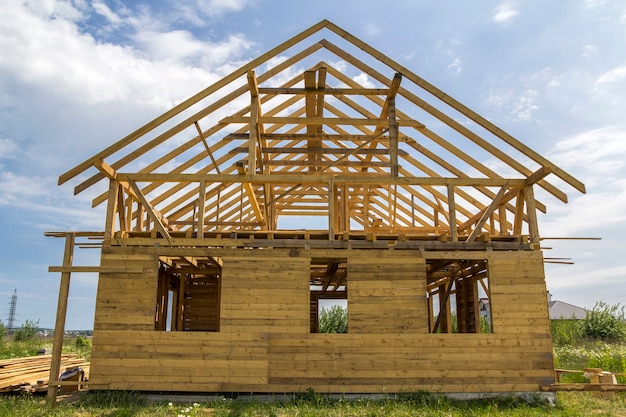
x=76, y=76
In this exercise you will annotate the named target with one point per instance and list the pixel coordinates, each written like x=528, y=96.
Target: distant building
x=562, y=310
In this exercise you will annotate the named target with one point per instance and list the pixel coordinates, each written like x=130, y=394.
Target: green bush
x=566, y=332
x=605, y=322
x=3, y=332
x=27, y=332
x=81, y=342
x=334, y=320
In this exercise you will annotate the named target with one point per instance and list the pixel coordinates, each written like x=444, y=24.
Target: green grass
x=11, y=349
x=129, y=404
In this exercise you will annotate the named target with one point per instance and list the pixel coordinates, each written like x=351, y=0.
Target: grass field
x=129, y=404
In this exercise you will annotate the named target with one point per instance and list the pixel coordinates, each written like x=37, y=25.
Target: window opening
x=328, y=284
x=458, y=296
x=188, y=294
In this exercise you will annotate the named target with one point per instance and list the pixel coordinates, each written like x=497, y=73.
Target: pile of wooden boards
x=30, y=374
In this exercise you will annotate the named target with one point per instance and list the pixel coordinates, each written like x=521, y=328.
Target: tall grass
x=595, y=342
x=311, y=404
x=10, y=348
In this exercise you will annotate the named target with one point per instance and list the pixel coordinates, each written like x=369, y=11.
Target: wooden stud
x=454, y=234
x=59, y=326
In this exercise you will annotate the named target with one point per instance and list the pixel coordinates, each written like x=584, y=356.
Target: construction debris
x=30, y=374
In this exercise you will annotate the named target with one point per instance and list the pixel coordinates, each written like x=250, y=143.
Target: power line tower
x=12, y=306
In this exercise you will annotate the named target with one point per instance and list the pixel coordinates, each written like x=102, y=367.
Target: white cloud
x=598, y=154
x=103, y=10
x=615, y=75
x=504, y=13
x=455, y=66
x=363, y=80
x=217, y=7
x=180, y=47
x=526, y=106
x=54, y=55
x=597, y=158
x=593, y=4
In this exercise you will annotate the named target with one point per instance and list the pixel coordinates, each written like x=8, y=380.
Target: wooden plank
x=486, y=213
x=282, y=120
x=150, y=210
x=59, y=326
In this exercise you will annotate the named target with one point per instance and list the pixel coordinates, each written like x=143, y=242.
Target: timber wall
x=265, y=345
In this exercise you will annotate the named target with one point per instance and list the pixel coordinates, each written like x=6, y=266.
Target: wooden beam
x=284, y=120
x=254, y=203
x=113, y=195
x=253, y=121
x=457, y=106
x=393, y=136
x=218, y=104
x=531, y=211
x=201, y=209
x=325, y=90
x=538, y=175
x=454, y=124
x=331, y=209
x=150, y=210
x=486, y=213
x=454, y=234
x=207, y=147
x=59, y=326
x=305, y=136
x=193, y=100
x=302, y=178
x=443, y=304
x=310, y=83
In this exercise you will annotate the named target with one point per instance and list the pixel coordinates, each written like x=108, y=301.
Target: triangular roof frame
x=357, y=150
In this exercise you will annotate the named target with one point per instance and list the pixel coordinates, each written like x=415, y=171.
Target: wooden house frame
x=202, y=288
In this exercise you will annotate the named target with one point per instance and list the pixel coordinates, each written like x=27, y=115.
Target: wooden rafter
x=321, y=143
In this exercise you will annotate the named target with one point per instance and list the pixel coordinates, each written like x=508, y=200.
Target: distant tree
x=3, y=331
x=333, y=320
x=27, y=332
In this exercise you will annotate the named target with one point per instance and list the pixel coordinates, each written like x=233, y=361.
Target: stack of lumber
x=31, y=373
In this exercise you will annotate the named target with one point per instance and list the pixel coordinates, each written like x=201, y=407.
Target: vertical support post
x=331, y=209
x=346, y=208
x=519, y=213
x=139, y=219
x=201, y=209
x=413, y=212
x=59, y=325
x=366, y=208
x=181, y=303
x=454, y=234
x=504, y=228
x=533, y=227
x=393, y=136
x=129, y=213
x=109, y=227
x=254, y=122
x=121, y=210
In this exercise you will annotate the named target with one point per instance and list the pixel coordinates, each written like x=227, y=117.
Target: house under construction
x=321, y=172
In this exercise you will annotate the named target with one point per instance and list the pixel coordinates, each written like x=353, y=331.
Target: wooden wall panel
x=268, y=294
x=127, y=301
x=265, y=345
x=386, y=296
